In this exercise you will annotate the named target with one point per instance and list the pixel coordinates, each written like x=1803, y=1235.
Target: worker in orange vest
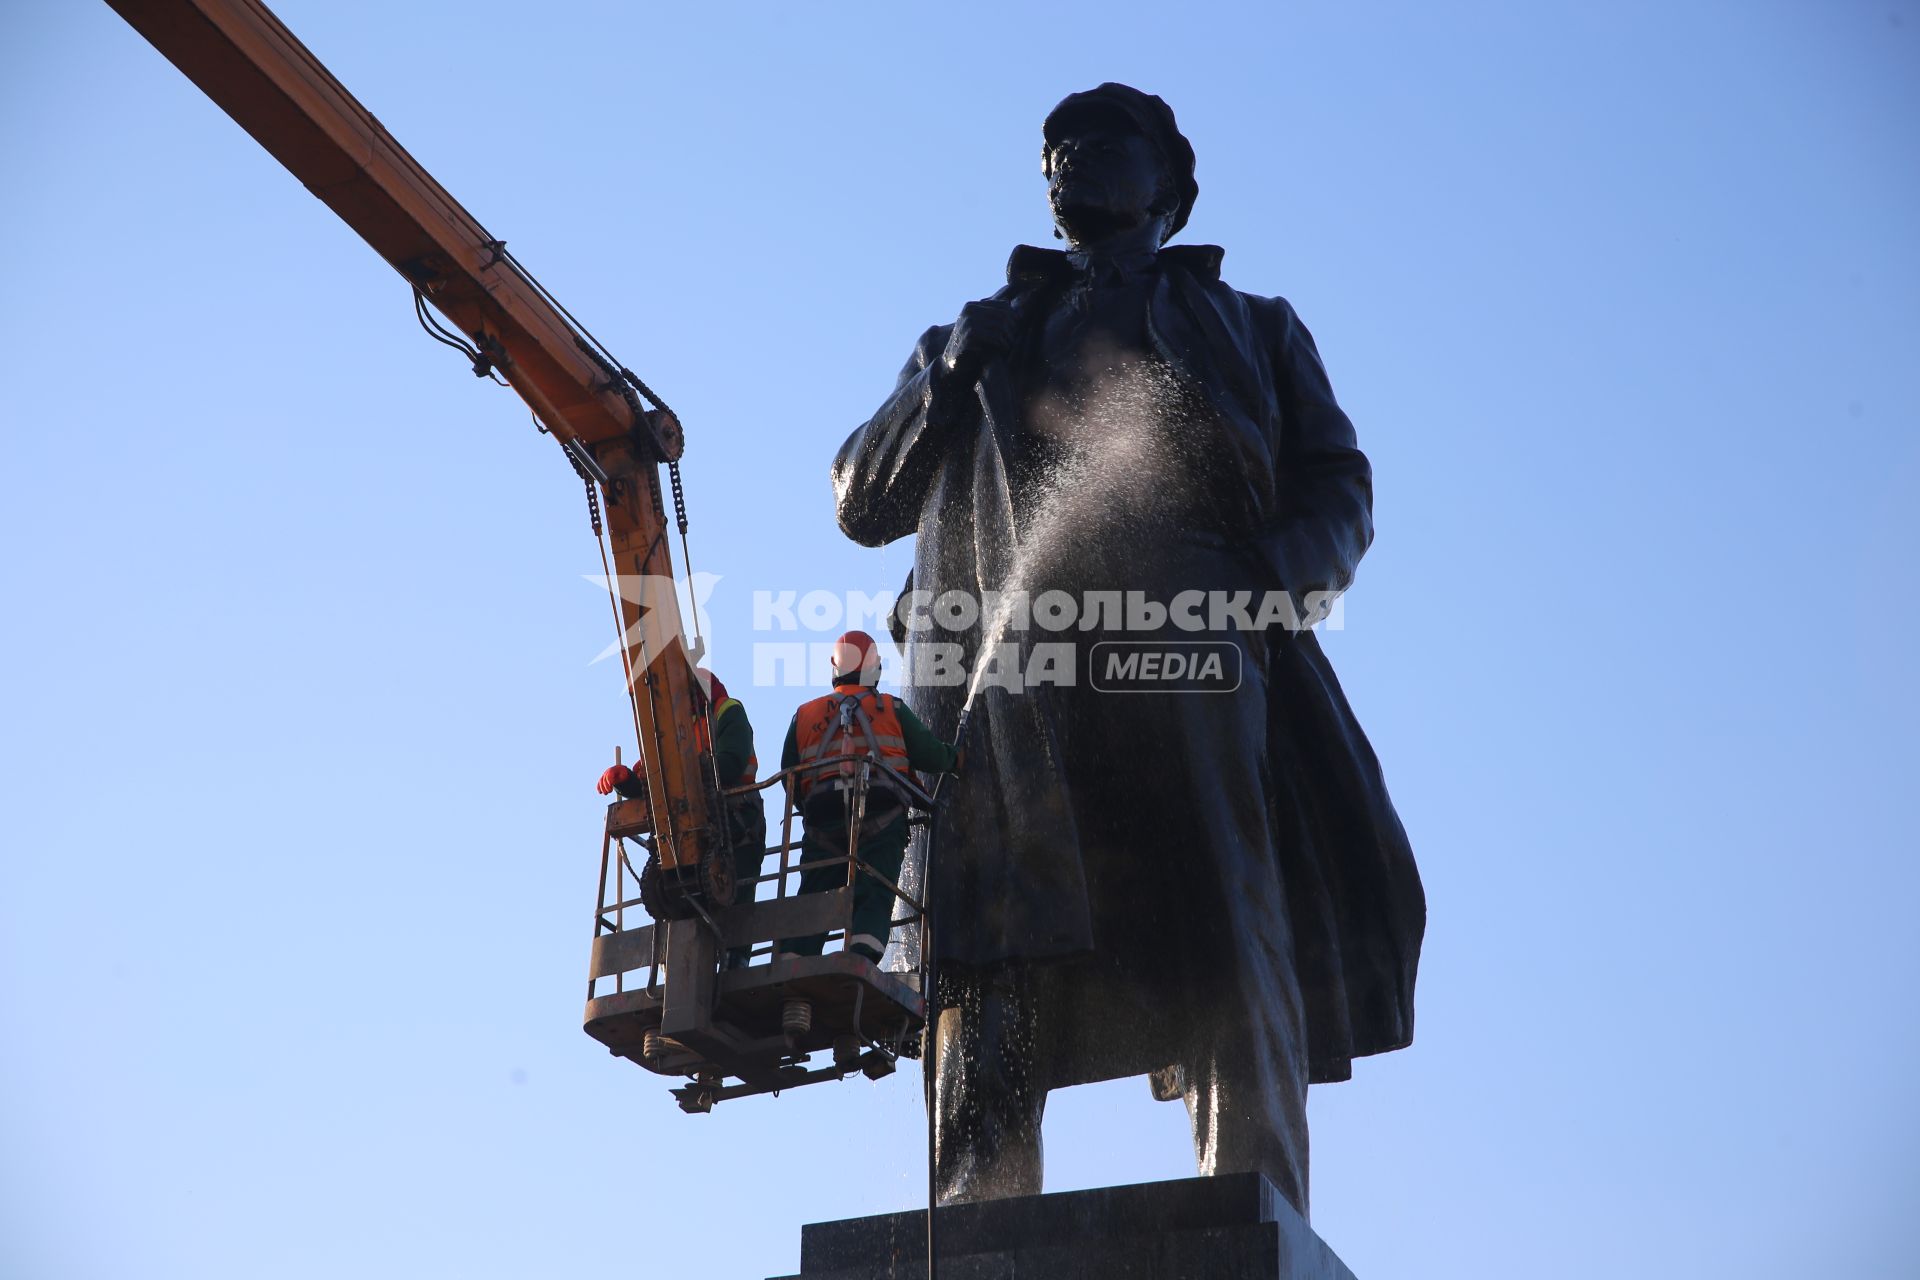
x=855, y=722
x=730, y=742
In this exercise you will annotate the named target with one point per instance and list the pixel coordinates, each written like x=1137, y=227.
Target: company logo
x=1158, y=666
x=1013, y=640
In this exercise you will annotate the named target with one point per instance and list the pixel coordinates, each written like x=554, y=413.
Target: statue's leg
x=987, y=1099
x=1245, y=1121
x=1245, y=1078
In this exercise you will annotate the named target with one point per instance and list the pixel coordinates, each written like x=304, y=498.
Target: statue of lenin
x=1207, y=886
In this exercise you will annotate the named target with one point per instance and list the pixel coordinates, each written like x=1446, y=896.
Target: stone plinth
x=1229, y=1228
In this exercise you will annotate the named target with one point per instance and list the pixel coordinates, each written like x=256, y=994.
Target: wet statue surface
x=1208, y=887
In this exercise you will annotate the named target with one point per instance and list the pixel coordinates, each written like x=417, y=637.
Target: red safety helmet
x=711, y=686
x=856, y=659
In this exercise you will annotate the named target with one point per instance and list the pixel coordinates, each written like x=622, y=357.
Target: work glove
x=612, y=778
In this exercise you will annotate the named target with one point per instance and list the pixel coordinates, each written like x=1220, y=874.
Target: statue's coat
x=1012, y=881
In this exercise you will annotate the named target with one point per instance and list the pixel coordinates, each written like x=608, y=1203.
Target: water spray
x=1117, y=473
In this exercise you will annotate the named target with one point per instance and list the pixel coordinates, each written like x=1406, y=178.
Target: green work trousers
x=883, y=850
x=747, y=831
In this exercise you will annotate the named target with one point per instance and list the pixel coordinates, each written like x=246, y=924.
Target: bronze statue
x=1208, y=886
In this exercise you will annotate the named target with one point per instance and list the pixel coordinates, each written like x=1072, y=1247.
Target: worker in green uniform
x=854, y=722
x=730, y=742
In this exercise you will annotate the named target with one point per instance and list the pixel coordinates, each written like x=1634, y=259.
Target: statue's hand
x=984, y=330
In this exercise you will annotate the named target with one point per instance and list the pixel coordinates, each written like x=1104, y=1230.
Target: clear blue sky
x=301, y=725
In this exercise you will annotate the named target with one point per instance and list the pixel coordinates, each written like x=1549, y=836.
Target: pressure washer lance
x=928, y=969
x=959, y=749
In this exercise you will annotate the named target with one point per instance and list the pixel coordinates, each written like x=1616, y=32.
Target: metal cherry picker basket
x=662, y=994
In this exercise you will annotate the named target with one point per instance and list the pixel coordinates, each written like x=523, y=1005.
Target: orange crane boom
x=244, y=59
x=657, y=994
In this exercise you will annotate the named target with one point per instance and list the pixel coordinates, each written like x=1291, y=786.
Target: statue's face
x=1103, y=177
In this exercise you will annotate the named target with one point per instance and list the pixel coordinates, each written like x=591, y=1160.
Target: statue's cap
x=1151, y=116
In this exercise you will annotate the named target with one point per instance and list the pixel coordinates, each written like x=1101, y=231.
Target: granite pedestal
x=1235, y=1227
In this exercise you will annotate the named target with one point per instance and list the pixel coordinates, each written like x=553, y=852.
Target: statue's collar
x=1031, y=265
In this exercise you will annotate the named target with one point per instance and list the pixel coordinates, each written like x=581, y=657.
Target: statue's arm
x=1324, y=519
x=882, y=473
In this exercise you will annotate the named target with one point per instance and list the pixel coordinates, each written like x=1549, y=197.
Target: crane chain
x=632, y=379
x=679, y=505
x=593, y=504
x=593, y=491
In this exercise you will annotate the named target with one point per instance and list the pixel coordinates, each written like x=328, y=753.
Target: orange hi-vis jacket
x=850, y=726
